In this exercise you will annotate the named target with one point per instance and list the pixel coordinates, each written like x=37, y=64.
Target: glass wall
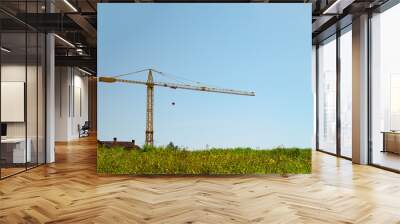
x=13, y=86
x=22, y=92
x=334, y=70
x=385, y=89
x=346, y=92
x=327, y=95
x=31, y=99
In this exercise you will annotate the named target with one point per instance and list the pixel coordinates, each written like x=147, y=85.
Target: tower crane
x=150, y=83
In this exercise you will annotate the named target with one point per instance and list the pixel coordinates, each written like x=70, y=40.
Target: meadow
x=175, y=161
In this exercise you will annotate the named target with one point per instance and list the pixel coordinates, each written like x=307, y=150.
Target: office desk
x=391, y=141
x=13, y=150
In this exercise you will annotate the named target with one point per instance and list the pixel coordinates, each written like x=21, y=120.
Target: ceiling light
x=79, y=51
x=65, y=41
x=333, y=6
x=84, y=71
x=5, y=50
x=70, y=5
x=338, y=6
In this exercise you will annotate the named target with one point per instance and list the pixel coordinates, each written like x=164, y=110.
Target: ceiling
x=76, y=21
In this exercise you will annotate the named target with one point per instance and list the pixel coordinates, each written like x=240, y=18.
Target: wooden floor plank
x=70, y=191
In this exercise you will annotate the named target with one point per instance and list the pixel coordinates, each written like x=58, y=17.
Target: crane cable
x=158, y=72
x=168, y=76
x=130, y=73
x=185, y=79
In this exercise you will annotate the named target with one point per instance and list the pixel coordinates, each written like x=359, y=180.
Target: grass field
x=169, y=160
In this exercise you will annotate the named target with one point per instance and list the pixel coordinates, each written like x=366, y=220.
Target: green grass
x=167, y=160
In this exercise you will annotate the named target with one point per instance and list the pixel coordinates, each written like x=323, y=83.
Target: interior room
x=71, y=101
x=22, y=100
x=385, y=89
x=28, y=101
x=48, y=123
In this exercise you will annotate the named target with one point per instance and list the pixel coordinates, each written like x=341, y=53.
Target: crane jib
x=150, y=88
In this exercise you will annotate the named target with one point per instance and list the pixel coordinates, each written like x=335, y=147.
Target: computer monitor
x=3, y=129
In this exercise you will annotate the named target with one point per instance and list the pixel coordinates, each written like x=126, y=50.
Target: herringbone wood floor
x=70, y=191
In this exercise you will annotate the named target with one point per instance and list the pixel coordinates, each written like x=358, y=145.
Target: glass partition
x=327, y=95
x=346, y=93
x=385, y=89
x=22, y=88
x=32, y=95
x=14, y=153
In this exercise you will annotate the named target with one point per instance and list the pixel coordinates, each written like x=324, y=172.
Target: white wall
x=71, y=93
x=80, y=111
x=62, y=82
x=12, y=73
x=33, y=127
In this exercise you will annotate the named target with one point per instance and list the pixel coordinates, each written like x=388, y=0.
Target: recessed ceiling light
x=64, y=40
x=70, y=5
x=84, y=71
x=337, y=7
x=5, y=50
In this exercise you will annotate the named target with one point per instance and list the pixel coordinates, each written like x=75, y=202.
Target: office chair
x=84, y=130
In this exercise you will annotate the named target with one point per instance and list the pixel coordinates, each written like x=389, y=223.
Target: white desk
x=19, y=155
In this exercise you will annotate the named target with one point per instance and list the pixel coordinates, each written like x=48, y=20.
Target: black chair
x=84, y=130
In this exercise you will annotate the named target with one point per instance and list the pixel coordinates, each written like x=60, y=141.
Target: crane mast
x=149, y=109
x=150, y=83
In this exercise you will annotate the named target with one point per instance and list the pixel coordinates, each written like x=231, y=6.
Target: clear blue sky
x=264, y=48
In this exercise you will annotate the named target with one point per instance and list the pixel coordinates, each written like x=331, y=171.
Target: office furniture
x=84, y=130
x=13, y=150
x=391, y=141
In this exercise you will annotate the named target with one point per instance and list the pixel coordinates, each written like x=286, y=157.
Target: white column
x=50, y=100
x=50, y=92
x=360, y=90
